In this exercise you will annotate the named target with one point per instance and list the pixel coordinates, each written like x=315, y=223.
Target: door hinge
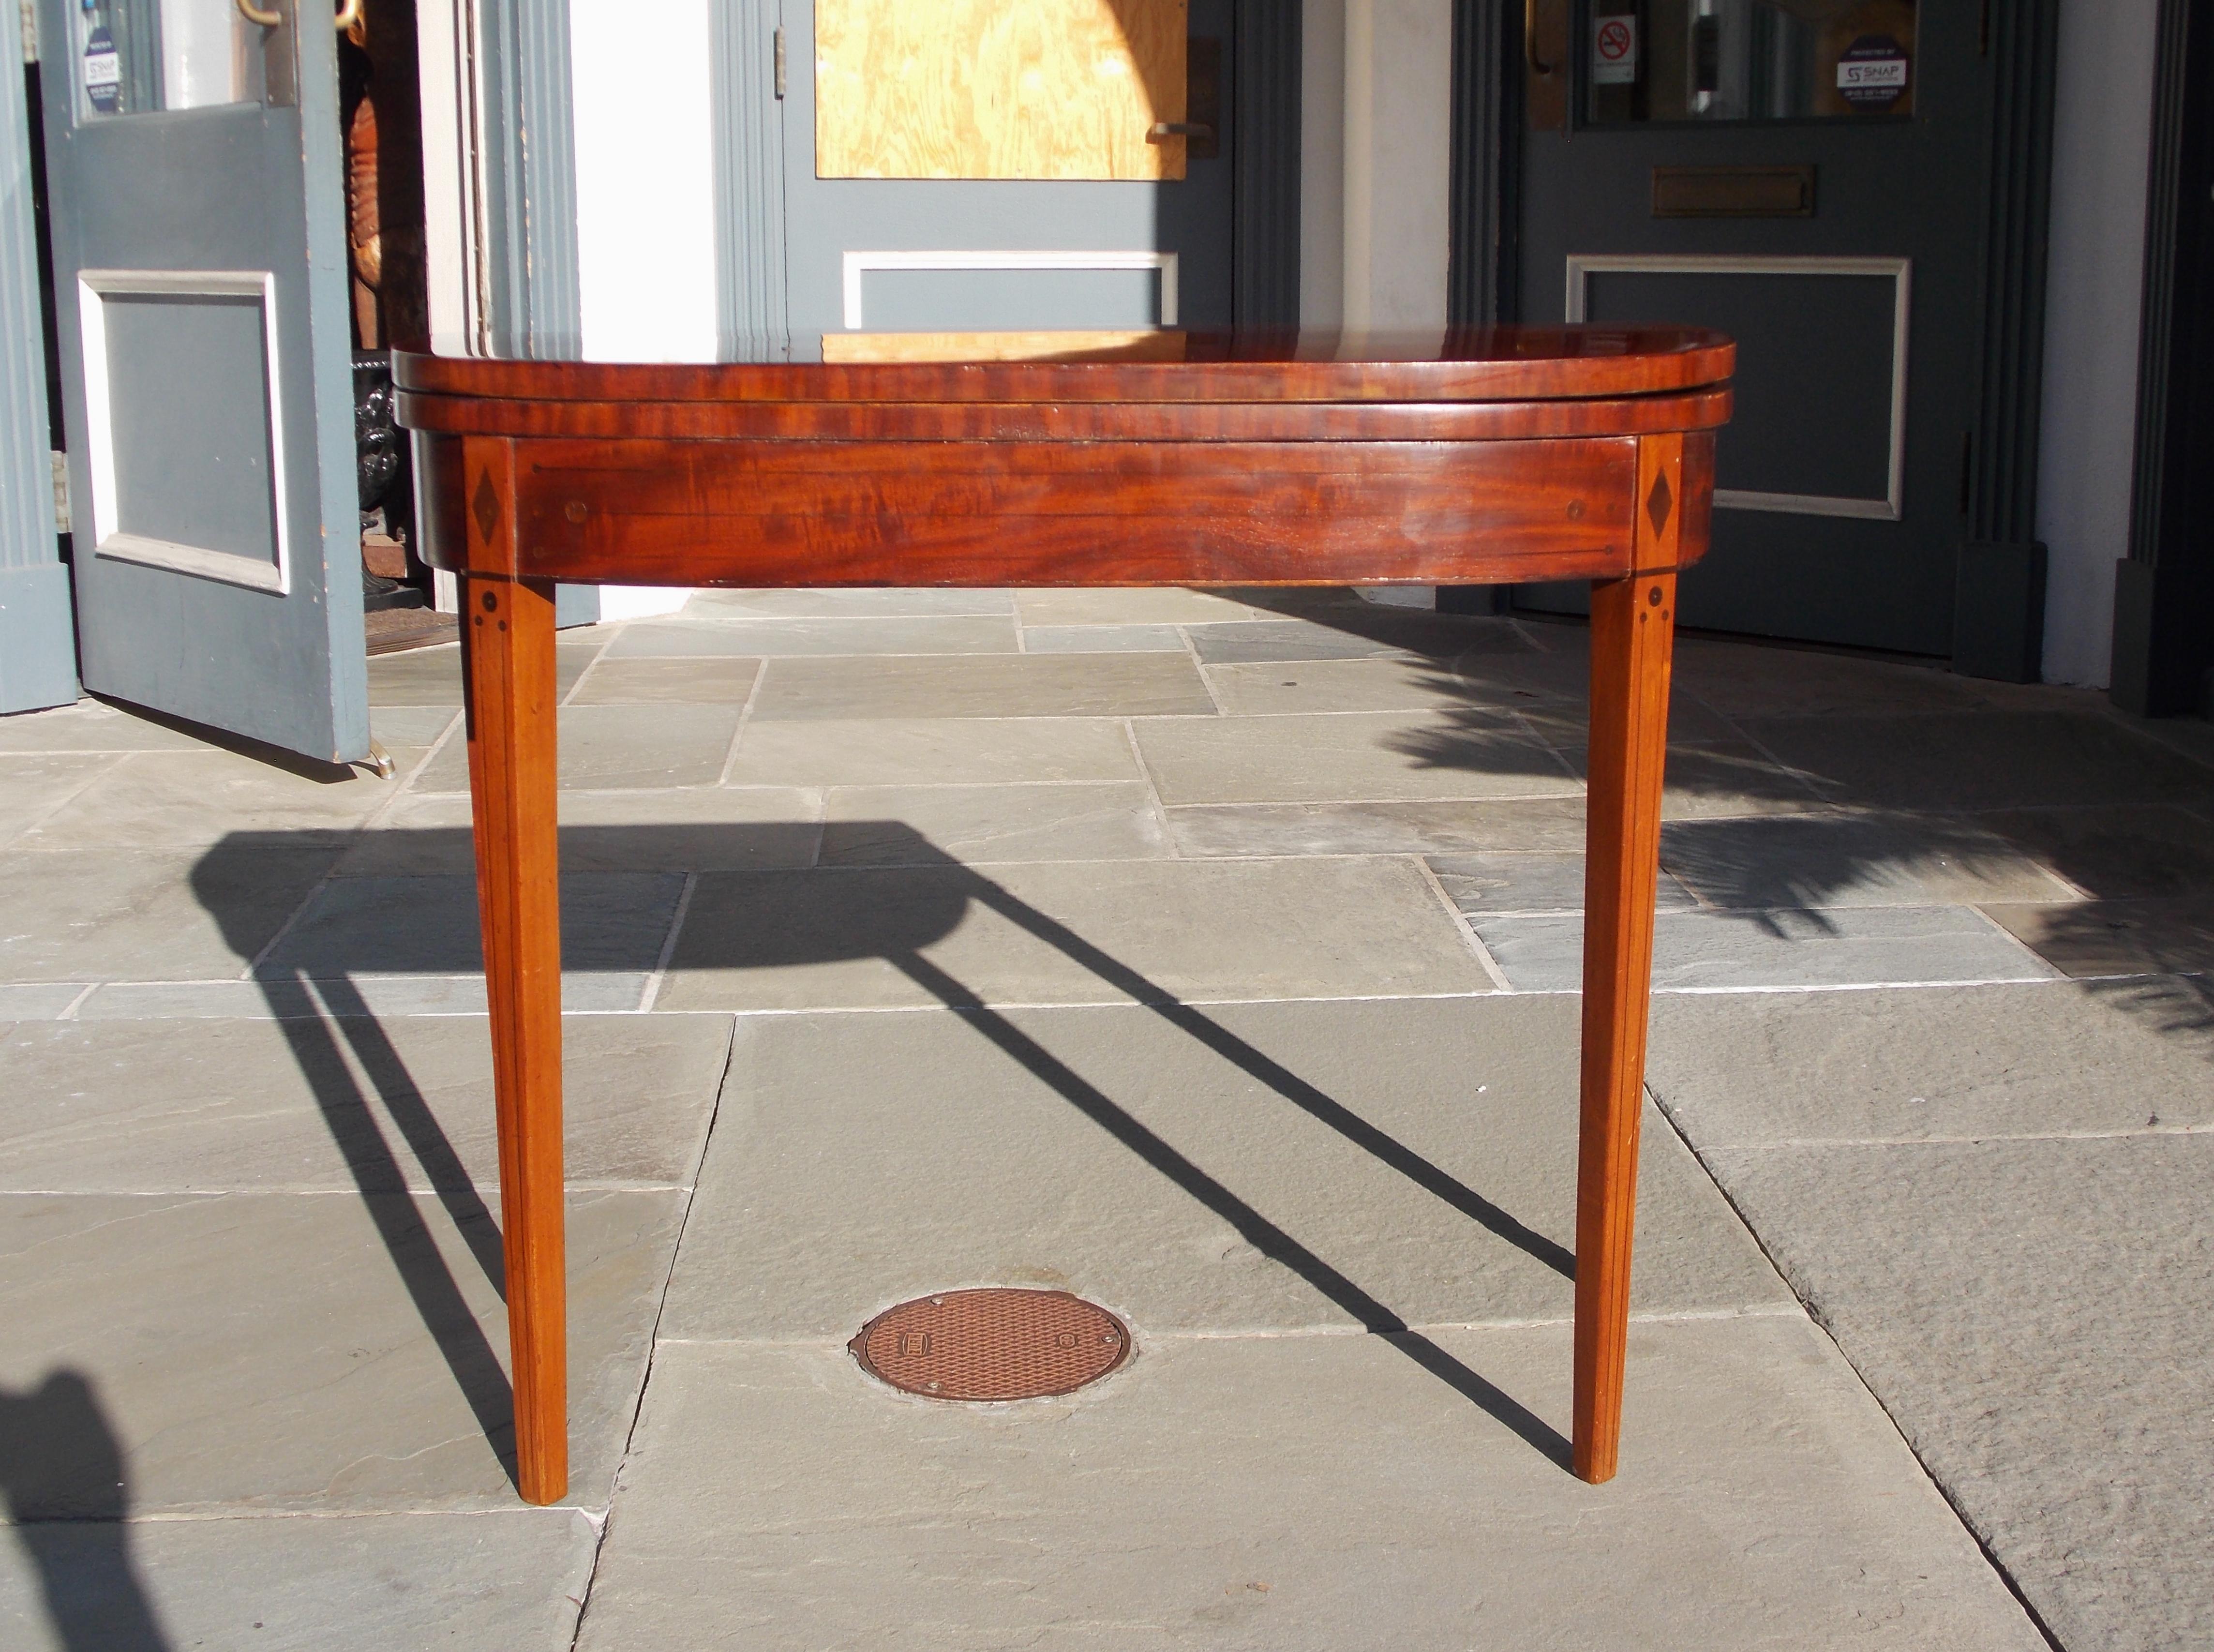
x=30, y=9
x=61, y=495
x=779, y=63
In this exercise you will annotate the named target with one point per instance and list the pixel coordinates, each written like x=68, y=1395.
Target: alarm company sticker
x=103, y=72
x=1614, y=51
x=1872, y=73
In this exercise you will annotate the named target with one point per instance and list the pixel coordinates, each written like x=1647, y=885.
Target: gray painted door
x=996, y=223
x=201, y=269
x=1857, y=308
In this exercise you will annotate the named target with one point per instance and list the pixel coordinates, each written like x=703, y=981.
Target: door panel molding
x=1900, y=270
x=109, y=538
x=860, y=264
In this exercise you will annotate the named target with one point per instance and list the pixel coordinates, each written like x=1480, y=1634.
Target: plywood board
x=1064, y=89
x=1095, y=345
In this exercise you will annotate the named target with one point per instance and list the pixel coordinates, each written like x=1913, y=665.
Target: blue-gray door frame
x=527, y=135
x=751, y=275
x=38, y=631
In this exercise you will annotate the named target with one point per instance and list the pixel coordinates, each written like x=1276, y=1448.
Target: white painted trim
x=108, y=538
x=1581, y=266
x=449, y=174
x=859, y=264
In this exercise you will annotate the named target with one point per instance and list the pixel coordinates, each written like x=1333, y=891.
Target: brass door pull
x=1529, y=37
x=348, y=14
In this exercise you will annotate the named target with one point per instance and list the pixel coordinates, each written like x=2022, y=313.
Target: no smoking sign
x=1614, y=51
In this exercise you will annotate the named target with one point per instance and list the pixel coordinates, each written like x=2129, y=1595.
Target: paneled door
x=1004, y=165
x=201, y=269
x=1811, y=176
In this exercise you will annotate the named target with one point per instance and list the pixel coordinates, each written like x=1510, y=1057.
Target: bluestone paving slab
x=1853, y=860
x=1991, y=759
x=35, y=784
x=2117, y=853
x=1254, y=1167
x=1065, y=933
x=906, y=601
x=1552, y=824
x=2116, y=938
x=675, y=681
x=1378, y=756
x=1103, y=639
x=432, y=677
x=1931, y=1064
x=1748, y=680
x=929, y=751
x=334, y=1104
x=1722, y=783
x=179, y=799
x=38, y=1001
x=1847, y=946
x=280, y=994
x=892, y=825
x=1508, y=881
x=792, y=635
x=330, y=1352
x=139, y=914
x=1362, y=631
x=1390, y=683
x=1134, y=605
x=610, y=920
x=1280, y=1493
x=372, y=1583
x=614, y=746
x=90, y=726
x=674, y=829
x=1016, y=685
x=2038, y=1317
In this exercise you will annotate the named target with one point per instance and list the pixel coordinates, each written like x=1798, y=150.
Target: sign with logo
x=1872, y=73
x=1614, y=51
x=103, y=72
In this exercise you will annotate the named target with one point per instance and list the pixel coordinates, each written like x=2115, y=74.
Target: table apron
x=769, y=513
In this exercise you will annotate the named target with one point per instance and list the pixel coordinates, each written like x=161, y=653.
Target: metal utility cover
x=993, y=1344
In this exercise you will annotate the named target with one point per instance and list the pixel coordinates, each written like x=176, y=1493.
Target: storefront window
x=1748, y=59
x=137, y=56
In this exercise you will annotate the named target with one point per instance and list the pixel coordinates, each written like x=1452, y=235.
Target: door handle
x=348, y=14
x=1161, y=129
x=1529, y=37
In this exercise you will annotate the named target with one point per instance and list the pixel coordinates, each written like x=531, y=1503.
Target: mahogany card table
x=1492, y=457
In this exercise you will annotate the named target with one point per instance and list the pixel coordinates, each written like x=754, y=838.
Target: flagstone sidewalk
x=1212, y=956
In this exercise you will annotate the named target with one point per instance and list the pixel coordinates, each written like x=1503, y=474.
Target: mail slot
x=1734, y=192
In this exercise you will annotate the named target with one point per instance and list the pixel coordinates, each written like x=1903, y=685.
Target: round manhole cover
x=993, y=1344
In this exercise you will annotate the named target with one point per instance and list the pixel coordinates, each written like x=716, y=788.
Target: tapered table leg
x=1633, y=622
x=507, y=636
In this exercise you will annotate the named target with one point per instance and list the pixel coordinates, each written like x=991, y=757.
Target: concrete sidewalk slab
x=1252, y=1167
x=612, y=746
x=1282, y=1493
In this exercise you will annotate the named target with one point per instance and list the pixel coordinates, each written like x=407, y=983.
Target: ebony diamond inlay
x=1658, y=504
x=486, y=506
